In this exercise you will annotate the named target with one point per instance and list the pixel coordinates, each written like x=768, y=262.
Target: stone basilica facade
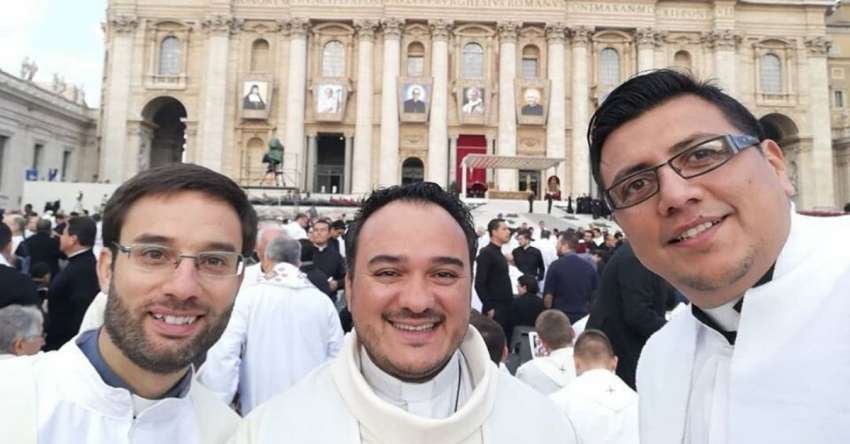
x=365, y=93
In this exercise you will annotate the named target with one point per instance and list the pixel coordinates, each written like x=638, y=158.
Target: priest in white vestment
x=550, y=373
x=280, y=329
x=254, y=272
x=412, y=371
x=602, y=408
x=761, y=356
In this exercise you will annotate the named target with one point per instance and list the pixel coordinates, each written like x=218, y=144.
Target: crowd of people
x=175, y=315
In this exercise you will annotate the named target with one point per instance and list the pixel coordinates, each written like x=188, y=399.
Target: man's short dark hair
x=570, y=238
x=530, y=283
x=85, y=228
x=493, y=225
x=322, y=221
x=554, y=328
x=526, y=233
x=5, y=235
x=174, y=178
x=338, y=225
x=493, y=335
x=43, y=226
x=420, y=192
x=593, y=345
x=646, y=91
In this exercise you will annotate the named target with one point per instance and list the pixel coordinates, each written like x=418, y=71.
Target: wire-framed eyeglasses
x=702, y=158
x=160, y=259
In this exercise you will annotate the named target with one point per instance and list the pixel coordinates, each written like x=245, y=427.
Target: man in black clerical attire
x=630, y=307
x=492, y=281
x=414, y=104
x=17, y=288
x=327, y=258
x=528, y=259
x=41, y=247
x=527, y=306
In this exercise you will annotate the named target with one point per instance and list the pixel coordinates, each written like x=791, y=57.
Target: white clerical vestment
x=548, y=374
x=59, y=397
x=784, y=381
x=336, y=404
x=281, y=328
x=601, y=407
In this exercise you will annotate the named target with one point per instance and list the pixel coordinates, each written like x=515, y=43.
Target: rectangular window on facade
x=38, y=153
x=529, y=68
x=3, y=140
x=66, y=162
x=415, y=66
x=838, y=98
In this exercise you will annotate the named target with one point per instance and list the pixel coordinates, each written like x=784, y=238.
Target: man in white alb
x=550, y=373
x=412, y=371
x=280, y=329
x=601, y=407
x=703, y=194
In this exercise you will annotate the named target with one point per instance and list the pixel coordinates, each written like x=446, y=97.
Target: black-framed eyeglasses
x=702, y=158
x=160, y=259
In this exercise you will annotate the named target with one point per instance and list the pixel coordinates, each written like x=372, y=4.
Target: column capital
x=219, y=24
x=556, y=32
x=645, y=37
x=722, y=39
x=123, y=23
x=366, y=29
x=392, y=27
x=297, y=26
x=440, y=29
x=507, y=31
x=818, y=46
x=580, y=35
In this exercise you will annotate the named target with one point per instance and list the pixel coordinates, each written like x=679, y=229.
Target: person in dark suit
x=527, y=306
x=532, y=106
x=528, y=259
x=41, y=247
x=414, y=104
x=630, y=307
x=316, y=276
x=570, y=281
x=75, y=287
x=327, y=258
x=492, y=281
x=17, y=288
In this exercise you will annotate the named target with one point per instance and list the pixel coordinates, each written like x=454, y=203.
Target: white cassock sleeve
x=220, y=372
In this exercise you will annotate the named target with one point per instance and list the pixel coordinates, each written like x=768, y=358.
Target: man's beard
x=126, y=331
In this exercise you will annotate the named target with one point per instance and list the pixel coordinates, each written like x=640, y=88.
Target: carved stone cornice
x=123, y=24
x=660, y=38
x=645, y=37
x=818, y=46
x=392, y=27
x=507, y=31
x=722, y=39
x=580, y=35
x=297, y=27
x=556, y=32
x=440, y=29
x=366, y=29
x=219, y=24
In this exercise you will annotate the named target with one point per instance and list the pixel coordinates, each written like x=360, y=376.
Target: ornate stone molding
x=123, y=24
x=507, y=31
x=440, y=29
x=366, y=29
x=556, y=32
x=219, y=24
x=722, y=39
x=392, y=27
x=580, y=35
x=660, y=37
x=818, y=46
x=297, y=26
x=645, y=37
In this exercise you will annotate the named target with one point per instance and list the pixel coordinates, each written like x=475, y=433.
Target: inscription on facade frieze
x=621, y=8
x=523, y=4
x=260, y=2
x=685, y=13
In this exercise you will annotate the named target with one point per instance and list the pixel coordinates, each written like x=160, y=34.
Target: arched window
x=412, y=170
x=333, y=59
x=260, y=56
x=771, y=74
x=682, y=59
x=473, y=61
x=609, y=67
x=170, y=54
x=530, y=62
x=415, y=59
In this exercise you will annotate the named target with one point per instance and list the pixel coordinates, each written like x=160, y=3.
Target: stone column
x=506, y=180
x=556, y=139
x=388, y=171
x=439, y=124
x=117, y=100
x=312, y=155
x=453, y=160
x=580, y=183
x=362, y=181
x=724, y=42
x=819, y=190
x=645, y=39
x=294, y=131
x=347, y=169
x=213, y=105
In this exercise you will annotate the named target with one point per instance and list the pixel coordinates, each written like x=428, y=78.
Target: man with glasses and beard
x=174, y=239
x=703, y=195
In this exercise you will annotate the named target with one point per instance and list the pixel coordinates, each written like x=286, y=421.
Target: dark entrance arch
x=412, y=170
x=166, y=119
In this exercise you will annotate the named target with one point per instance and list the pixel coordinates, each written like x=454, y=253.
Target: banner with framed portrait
x=532, y=101
x=414, y=98
x=329, y=99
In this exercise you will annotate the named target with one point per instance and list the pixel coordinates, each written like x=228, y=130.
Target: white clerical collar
x=78, y=252
x=726, y=316
x=437, y=398
x=3, y=261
